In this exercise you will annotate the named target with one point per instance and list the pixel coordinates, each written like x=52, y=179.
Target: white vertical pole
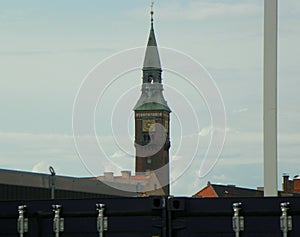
x=270, y=97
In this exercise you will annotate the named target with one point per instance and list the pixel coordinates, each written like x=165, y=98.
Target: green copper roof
x=152, y=106
x=152, y=98
x=152, y=90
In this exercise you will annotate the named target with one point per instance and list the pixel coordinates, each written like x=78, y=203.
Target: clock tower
x=152, y=118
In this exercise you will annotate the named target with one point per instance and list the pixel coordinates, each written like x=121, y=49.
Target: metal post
x=270, y=97
x=22, y=225
x=102, y=222
x=286, y=224
x=52, y=182
x=58, y=222
x=237, y=220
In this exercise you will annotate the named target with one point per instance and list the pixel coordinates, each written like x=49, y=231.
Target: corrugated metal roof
x=41, y=182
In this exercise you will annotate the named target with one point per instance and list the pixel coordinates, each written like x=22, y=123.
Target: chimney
x=286, y=183
x=260, y=188
x=108, y=176
x=126, y=174
x=297, y=184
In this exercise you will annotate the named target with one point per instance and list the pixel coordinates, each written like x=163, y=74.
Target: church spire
x=152, y=88
x=152, y=59
x=150, y=110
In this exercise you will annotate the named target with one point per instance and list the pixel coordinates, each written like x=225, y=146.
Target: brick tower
x=152, y=119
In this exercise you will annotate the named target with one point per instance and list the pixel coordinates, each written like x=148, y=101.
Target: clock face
x=148, y=125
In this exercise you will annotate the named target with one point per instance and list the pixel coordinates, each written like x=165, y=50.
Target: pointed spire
x=152, y=56
x=152, y=88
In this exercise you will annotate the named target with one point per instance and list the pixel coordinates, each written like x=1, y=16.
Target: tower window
x=146, y=137
x=150, y=79
x=149, y=160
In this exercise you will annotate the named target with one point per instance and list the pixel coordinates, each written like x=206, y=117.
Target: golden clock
x=148, y=124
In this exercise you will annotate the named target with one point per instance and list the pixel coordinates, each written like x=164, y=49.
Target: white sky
x=47, y=49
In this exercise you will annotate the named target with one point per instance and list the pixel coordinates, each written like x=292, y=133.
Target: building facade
x=289, y=188
x=219, y=191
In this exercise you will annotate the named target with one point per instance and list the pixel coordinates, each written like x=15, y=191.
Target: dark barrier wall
x=154, y=217
x=125, y=217
x=214, y=217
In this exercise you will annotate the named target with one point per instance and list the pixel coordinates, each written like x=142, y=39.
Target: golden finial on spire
x=152, y=5
x=152, y=12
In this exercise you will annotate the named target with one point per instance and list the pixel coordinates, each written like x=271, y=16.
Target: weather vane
x=152, y=6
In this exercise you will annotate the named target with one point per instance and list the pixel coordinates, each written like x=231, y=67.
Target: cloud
x=206, y=131
x=221, y=178
x=176, y=157
x=118, y=154
x=40, y=167
x=241, y=110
